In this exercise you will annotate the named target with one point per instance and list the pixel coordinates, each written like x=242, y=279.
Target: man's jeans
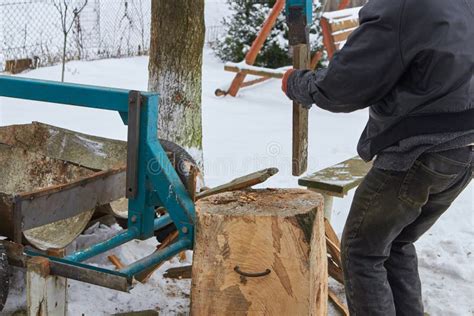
x=390, y=211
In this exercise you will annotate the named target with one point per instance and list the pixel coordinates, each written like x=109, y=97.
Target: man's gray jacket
x=411, y=61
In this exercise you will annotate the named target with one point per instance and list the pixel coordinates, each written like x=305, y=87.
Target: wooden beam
x=339, y=304
x=335, y=271
x=252, y=70
x=331, y=234
x=46, y=294
x=183, y=272
x=301, y=60
x=240, y=183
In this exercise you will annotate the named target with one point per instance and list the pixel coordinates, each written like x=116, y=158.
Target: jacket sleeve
x=364, y=70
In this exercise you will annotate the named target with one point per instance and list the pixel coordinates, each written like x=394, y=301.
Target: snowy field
x=242, y=134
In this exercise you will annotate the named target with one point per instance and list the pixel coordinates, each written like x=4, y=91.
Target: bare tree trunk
x=63, y=60
x=177, y=40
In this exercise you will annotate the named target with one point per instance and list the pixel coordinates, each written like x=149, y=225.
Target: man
x=411, y=62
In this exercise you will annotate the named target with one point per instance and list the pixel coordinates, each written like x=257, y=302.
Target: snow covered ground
x=242, y=134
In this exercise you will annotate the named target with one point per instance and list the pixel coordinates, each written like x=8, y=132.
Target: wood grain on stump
x=278, y=233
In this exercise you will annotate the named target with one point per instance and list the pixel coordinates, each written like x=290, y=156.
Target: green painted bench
x=337, y=180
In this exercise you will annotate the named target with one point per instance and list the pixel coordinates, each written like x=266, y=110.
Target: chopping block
x=260, y=252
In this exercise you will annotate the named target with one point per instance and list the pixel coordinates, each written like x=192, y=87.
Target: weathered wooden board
x=301, y=60
x=46, y=294
x=338, y=179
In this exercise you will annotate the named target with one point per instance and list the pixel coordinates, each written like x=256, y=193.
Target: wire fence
x=34, y=29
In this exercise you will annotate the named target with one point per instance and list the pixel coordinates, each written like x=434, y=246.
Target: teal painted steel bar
x=97, y=249
x=156, y=257
x=117, y=240
x=158, y=180
x=64, y=93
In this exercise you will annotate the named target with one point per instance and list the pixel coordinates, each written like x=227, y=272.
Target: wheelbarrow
x=40, y=157
x=148, y=180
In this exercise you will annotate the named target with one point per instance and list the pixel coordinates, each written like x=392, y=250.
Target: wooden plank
x=46, y=294
x=343, y=24
x=256, y=71
x=335, y=271
x=334, y=251
x=338, y=179
x=341, y=36
x=240, y=183
x=331, y=234
x=301, y=60
x=179, y=272
x=339, y=304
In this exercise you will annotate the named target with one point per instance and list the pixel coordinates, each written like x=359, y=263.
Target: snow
x=342, y=15
x=241, y=135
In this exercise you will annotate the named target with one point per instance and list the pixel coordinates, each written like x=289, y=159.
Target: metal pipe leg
x=114, y=242
x=328, y=206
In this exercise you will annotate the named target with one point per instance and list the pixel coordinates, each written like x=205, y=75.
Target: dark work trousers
x=390, y=211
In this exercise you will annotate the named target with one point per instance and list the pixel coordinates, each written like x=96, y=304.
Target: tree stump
x=260, y=252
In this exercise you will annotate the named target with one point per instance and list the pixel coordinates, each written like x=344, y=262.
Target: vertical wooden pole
x=257, y=45
x=46, y=294
x=301, y=60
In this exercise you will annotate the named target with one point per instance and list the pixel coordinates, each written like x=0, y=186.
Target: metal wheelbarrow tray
x=52, y=179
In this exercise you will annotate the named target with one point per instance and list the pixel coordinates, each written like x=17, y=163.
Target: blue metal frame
x=158, y=183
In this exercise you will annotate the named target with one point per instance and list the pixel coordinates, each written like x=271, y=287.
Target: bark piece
x=339, y=304
x=240, y=183
x=265, y=255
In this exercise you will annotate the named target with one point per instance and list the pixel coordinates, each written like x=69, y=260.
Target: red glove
x=284, y=82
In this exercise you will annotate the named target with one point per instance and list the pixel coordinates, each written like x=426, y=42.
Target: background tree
x=63, y=7
x=242, y=28
x=177, y=40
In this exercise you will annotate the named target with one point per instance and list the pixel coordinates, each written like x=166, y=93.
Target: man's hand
x=284, y=82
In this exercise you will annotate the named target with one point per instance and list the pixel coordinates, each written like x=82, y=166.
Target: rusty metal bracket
x=134, y=109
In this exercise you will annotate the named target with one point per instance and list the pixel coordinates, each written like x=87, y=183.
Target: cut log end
x=260, y=251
